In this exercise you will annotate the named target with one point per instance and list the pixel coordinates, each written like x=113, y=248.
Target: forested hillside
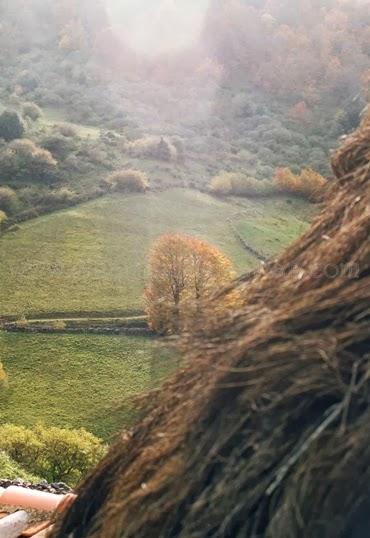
x=263, y=85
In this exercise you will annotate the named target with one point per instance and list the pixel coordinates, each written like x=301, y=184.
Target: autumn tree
x=23, y=159
x=308, y=184
x=285, y=180
x=184, y=271
x=312, y=184
x=238, y=184
x=129, y=180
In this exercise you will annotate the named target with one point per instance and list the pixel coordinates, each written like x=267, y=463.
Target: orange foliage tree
x=309, y=183
x=184, y=271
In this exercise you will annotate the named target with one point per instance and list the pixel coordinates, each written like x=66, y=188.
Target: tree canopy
x=184, y=271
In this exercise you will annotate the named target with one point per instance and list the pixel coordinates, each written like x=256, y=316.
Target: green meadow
x=91, y=260
x=78, y=380
x=93, y=257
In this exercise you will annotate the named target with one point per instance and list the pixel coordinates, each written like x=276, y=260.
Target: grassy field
x=93, y=258
x=52, y=116
x=78, y=380
x=276, y=226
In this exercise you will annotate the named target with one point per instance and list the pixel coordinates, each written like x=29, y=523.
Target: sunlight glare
x=157, y=26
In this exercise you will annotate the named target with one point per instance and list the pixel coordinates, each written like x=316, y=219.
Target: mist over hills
x=254, y=86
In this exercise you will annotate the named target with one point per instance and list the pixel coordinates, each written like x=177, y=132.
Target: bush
x=22, y=323
x=28, y=80
x=231, y=183
x=222, y=184
x=60, y=197
x=58, y=325
x=286, y=181
x=128, y=181
x=31, y=111
x=56, y=454
x=60, y=146
x=250, y=186
x=8, y=200
x=67, y=455
x=11, y=470
x=3, y=219
x=153, y=147
x=21, y=445
x=163, y=151
x=22, y=159
x=313, y=184
x=308, y=184
x=65, y=129
x=11, y=126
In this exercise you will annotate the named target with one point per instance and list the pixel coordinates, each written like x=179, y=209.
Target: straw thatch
x=266, y=432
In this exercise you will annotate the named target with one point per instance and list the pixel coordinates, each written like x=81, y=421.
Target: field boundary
x=245, y=245
x=133, y=325
x=72, y=315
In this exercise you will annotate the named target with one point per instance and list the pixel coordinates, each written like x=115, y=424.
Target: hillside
x=93, y=258
x=263, y=84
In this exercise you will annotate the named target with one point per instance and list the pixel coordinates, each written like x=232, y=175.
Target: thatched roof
x=266, y=432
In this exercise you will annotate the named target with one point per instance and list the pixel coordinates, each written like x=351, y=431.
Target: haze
x=153, y=27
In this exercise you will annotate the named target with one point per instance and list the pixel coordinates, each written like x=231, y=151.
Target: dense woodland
x=268, y=84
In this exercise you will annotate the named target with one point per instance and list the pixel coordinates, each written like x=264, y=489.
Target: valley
x=87, y=266
x=92, y=258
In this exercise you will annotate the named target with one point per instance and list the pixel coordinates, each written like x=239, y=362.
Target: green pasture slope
x=78, y=380
x=93, y=258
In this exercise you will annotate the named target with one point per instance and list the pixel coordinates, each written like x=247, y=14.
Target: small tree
x=285, y=180
x=28, y=81
x=227, y=183
x=152, y=147
x=308, y=184
x=22, y=159
x=11, y=126
x=31, y=111
x=183, y=272
x=8, y=200
x=66, y=129
x=312, y=184
x=60, y=146
x=222, y=184
x=11, y=470
x=21, y=445
x=128, y=181
x=67, y=455
x=163, y=150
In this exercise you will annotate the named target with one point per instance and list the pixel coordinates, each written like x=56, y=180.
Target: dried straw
x=266, y=430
